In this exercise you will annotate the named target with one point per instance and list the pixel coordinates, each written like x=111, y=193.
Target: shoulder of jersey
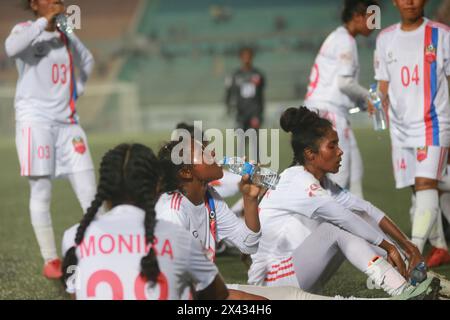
x=176, y=199
x=387, y=31
x=169, y=201
x=22, y=25
x=298, y=176
x=438, y=25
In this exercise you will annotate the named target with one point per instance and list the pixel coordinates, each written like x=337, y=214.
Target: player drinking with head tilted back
x=334, y=87
x=412, y=65
x=50, y=142
x=125, y=253
x=310, y=225
x=191, y=202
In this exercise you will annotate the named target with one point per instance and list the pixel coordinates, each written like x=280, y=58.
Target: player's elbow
x=10, y=49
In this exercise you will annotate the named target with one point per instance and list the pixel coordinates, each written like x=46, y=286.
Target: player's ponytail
x=307, y=129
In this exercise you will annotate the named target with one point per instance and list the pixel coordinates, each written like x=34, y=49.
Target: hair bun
x=288, y=120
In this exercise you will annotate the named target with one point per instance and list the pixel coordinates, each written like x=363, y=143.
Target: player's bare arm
x=250, y=194
x=411, y=251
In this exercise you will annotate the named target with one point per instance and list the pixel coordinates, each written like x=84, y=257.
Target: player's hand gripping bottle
x=259, y=176
x=63, y=24
x=379, y=117
x=418, y=274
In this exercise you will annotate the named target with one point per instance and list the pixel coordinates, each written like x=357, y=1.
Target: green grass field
x=20, y=262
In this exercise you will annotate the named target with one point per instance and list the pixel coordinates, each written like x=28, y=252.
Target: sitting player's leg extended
x=313, y=255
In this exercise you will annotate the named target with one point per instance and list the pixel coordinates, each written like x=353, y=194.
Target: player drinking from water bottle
x=50, y=142
x=412, y=64
x=189, y=201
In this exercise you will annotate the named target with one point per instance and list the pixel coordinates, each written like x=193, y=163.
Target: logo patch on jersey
x=422, y=153
x=430, y=53
x=391, y=58
x=314, y=190
x=256, y=80
x=79, y=145
x=210, y=254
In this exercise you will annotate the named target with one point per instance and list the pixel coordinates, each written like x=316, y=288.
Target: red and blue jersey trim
x=430, y=87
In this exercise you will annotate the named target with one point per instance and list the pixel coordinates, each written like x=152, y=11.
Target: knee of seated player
x=422, y=184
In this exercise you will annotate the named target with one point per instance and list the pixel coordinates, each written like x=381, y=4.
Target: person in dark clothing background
x=245, y=93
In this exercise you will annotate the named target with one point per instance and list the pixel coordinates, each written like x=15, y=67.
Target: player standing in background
x=110, y=249
x=412, y=63
x=50, y=142
x=334, y=88
x=244, y=95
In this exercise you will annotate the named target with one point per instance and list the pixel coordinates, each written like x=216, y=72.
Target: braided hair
x=307, y=129
x=169, y=180
x=129, y=174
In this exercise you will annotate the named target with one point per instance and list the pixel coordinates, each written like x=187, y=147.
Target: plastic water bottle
x=379, y=117
x=263, y=177
x=418, y=274
x=63, y=24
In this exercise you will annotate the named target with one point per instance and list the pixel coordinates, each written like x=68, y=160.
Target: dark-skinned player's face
x=204, y=166
x=410, y=10
x=329, y=156
x=42, y=7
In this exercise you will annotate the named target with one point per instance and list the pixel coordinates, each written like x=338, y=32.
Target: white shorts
x=351, y=166
x=51, y=150
x=426, y=162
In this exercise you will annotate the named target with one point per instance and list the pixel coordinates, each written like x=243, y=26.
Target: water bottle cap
x=248, y=168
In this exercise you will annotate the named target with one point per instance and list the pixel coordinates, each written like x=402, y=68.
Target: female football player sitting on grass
x=310, y=225
x=190, y=202
x=126, y=253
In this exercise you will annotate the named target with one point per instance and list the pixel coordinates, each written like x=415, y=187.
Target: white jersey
x=337, y=57
x=47, y=88
x=416, y=65
x=228, y=186
x=209, y=228
x=291, y=212
x=110, y=255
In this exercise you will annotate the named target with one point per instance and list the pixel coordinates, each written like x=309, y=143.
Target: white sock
x=437, y=237
x=384, y=275
x=444, y=184
x=356, y=188
x=444, y=201
x=84, y=185
x=40, y=217
x=427, y=209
